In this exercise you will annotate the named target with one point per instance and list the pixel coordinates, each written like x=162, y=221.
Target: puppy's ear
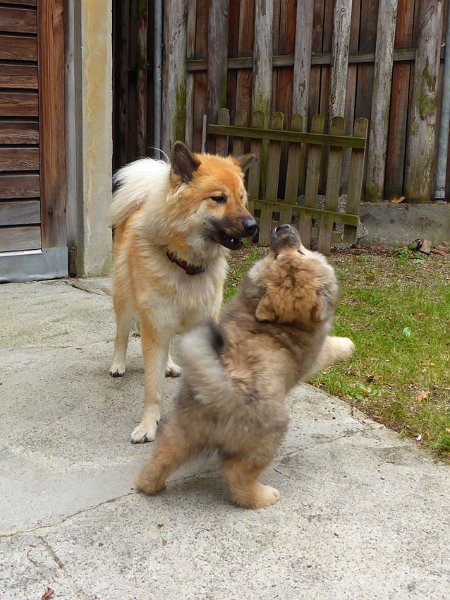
x=184, y=163
x=265, y=310
x=245, y=161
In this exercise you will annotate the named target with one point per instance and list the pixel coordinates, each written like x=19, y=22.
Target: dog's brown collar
x=190, y=269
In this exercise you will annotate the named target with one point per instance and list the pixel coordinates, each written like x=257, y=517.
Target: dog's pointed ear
x=184, y=163
x=265, y=310
x=245, y=161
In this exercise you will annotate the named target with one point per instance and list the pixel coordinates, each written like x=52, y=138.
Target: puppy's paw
x=347, y=347
x=117, y=370
x=146, y=430
x=149, y=485
x=266, y=496
x=172, y=369
x=259, y=497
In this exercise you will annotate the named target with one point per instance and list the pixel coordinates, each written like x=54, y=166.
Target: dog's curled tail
x=203, y=369
x=136, y=183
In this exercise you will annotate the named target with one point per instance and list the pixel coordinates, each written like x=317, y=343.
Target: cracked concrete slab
x=363, y=513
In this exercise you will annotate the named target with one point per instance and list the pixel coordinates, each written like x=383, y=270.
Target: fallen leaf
x=422, y=395
x=48, y=594
x=164, y=542
x=407, y=332
x=397, y=200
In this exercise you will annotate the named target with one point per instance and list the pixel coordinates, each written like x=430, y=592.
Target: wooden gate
x=275, y=196
x=33, y=237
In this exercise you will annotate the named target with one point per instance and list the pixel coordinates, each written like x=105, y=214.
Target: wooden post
x=53, y=184
x=339, y=56
x=122, y=141
x=142, y=60
x=422, y=123
x=174, y=77
x=293, y=171
x=381, y=98
x=217, y=61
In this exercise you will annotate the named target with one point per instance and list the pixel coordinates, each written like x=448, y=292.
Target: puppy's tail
x=201, y=351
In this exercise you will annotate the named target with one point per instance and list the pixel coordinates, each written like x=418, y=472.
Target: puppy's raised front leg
x=333, y=350
x=155, y=348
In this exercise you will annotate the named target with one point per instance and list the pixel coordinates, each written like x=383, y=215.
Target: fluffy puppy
x=273, y=335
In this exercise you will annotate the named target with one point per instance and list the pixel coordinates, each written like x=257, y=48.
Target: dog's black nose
x=282, y=227
x=250, y=226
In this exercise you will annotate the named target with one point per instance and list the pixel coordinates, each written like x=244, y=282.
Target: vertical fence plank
x=333, y=186
x=174, y=80
x=339, y=56
x=217, y=60
x=302, y=73
x=254, y=173
x=244, y=77
x=398, y=120
x=273, y=173
x=350, y=94
x=312, y=180
x=221, y=142
x=293, y=171
x=190, y=51
x=142, y=60
x=356, y=179
x=238, y=143
x=422, y=134
x=200, y=78
x=379, y=118
x=262, y=73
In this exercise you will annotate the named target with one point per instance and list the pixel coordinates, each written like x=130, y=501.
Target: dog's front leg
x=155, y=349
x=333, y=350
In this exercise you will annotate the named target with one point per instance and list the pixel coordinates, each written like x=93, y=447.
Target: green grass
x=396, y=309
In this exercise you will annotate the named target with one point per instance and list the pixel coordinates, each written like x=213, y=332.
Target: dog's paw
x=172, y=369
x=146, y=430
x=117, y=370
x=347, y=347
x=267, y=496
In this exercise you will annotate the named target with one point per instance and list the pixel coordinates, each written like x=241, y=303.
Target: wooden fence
x=274, y=199
x=377, y=59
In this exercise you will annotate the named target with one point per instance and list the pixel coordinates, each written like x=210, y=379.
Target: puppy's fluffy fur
x=273, y=335
x=173, y=226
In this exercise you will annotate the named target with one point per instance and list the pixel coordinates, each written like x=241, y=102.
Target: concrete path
x=363, y=513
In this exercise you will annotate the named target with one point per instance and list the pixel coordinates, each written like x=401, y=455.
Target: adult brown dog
x=173, y=225
x=273, y=335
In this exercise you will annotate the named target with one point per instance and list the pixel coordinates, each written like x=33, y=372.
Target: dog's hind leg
x=171, y=451
x=155, y=348
x=241, y=476
x=124, y=320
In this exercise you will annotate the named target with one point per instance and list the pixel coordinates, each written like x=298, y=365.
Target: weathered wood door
x=33, y=238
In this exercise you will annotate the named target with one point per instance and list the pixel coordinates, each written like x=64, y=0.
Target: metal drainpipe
x=157, y=78
x=439, y=192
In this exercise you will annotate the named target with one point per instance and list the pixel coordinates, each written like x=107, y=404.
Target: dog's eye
x=219, y=199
